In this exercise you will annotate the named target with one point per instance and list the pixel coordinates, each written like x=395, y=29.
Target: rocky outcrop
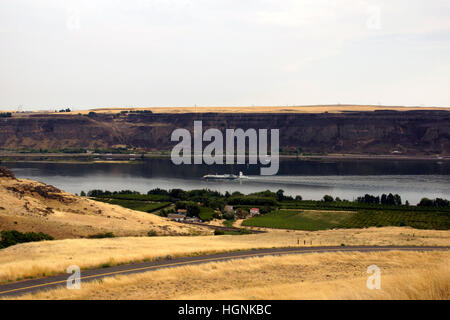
x=377, y=132
x=47, y=192
x=5, y=173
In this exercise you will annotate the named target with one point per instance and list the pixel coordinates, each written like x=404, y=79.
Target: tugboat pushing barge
x=224, y=176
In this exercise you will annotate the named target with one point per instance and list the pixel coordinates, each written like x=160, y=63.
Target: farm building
x=176, y=217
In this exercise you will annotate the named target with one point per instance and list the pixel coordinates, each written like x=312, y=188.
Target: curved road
x=33, y=285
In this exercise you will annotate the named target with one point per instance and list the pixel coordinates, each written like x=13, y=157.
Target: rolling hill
x=31, y=206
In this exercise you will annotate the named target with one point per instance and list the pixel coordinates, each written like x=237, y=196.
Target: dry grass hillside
x=27, y=205
x=404, y=275
x=37, y=259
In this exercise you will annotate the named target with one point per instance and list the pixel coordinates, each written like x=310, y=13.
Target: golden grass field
x=33, y=206
x=404, y=275
x=37, y=259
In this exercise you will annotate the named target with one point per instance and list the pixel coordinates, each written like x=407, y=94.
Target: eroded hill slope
x=27, y=205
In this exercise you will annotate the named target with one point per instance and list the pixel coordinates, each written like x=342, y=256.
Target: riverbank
x=7, y=156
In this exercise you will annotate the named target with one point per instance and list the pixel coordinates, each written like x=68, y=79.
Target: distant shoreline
x=83, y=158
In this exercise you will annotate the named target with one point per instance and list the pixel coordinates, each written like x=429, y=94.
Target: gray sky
x=112, y=53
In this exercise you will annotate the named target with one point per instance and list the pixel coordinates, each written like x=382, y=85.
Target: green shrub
x=438, y=202
x=228, y=215
x=152, y=233
x=251, y=200
x=228, y=223
x=237, y=232
x=244, y=231
x=102, y=235
x=164, y=213
x=158, y=191
x=193, y=209
x=206, y=214
x=10, y=238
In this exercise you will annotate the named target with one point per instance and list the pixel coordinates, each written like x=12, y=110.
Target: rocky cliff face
x=379, y=132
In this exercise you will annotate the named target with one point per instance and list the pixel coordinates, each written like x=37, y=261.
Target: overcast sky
x=112, y=53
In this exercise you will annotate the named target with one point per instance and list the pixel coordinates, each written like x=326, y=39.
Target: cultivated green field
x=319, y=220
x=144, y=206
x=300, y=219
x=206, y=214
x=420, y=220
x=286, y=212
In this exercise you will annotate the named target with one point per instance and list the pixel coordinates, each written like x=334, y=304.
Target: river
x=346, y=179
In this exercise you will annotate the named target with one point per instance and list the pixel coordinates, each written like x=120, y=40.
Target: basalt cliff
x=418, y=132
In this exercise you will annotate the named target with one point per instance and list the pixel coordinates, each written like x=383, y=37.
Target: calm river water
x=310, y=179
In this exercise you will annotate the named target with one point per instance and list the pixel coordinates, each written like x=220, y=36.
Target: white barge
x=224, y=176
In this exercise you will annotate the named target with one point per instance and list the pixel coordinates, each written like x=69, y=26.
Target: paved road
x=33, y=285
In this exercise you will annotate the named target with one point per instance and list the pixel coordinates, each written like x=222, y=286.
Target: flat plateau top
x=255, y=109
x=270, y=109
